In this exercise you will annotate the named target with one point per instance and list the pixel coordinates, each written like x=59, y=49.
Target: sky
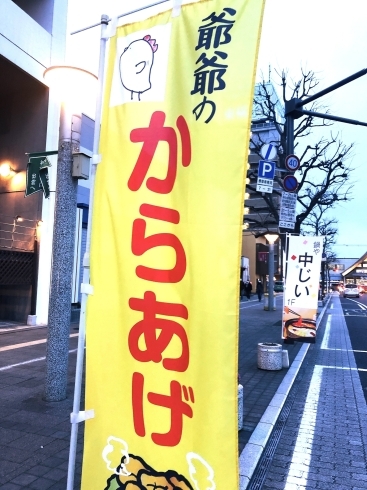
x=328, y=37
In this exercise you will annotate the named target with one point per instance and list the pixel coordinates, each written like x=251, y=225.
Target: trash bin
x=269, y=356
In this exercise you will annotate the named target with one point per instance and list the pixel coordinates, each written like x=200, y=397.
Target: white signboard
x=302, y=288
x=288, y=200
x=287, y=212
x=264, y=185
x=287, y=224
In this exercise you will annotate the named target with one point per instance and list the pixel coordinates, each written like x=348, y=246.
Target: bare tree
x=324, y=174
x=318, y=224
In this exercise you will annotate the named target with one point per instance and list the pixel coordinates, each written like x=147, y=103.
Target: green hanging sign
x=37, y=176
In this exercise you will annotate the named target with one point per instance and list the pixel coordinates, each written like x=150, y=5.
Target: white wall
x=22, y=41
x=56, y=56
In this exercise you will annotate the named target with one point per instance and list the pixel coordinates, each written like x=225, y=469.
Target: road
x=355, y=314
x=22, y=346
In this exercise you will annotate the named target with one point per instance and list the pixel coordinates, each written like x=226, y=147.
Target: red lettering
x=150, y=137
x=158, y=332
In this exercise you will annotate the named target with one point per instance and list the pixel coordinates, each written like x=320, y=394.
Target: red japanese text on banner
x=302, y=287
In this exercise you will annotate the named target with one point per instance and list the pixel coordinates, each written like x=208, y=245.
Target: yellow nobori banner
x=161, y=371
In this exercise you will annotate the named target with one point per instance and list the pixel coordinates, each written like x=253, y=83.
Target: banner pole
x=123, y=15
x=76, y=416
x=285, y=268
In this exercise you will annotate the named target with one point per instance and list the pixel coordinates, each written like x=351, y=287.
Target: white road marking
x=305, y=438
x=26, y=344
x=325, y=340
x=361, y=305
x=249, y=306
x=359, y=316
x=10, y=366
x=17, y=329
x=308, y=419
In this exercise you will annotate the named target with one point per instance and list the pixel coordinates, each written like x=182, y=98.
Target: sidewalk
x=257, y=326
x=35, y=435
x=265, y=392
x=320, y=443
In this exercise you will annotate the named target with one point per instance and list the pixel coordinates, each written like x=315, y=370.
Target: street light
x=6, y=170
x=72, y=87
x=271, y=238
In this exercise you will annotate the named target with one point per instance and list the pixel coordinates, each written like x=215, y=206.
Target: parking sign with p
x=266, y=169
x=265, y=176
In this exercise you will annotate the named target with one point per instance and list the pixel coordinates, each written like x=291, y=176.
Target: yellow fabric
x=207, y=199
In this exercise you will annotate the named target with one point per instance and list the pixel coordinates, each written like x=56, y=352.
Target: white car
x=351, y=290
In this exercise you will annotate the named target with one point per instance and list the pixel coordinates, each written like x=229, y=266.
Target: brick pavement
x=34, y=434
x=258, y=325
x=322, y=445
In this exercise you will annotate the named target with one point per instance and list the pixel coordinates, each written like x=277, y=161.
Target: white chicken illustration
x=132, y=471
x=136, y=65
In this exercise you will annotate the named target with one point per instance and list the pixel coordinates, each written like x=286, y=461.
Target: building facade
x=356, y=273
x=258, y=219
x=32, y=38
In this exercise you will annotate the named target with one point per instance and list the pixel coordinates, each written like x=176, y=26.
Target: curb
x=253, y=450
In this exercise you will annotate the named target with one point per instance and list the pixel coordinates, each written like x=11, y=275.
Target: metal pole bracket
x=96, y=159
x=112, y=26
x=86, y=289
x=86, y=260
x=176, y=8
x=76, y=418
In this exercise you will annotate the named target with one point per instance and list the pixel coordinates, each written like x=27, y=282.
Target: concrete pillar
x=62, y=268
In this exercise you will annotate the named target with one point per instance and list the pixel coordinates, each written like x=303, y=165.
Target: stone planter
x=269, y=356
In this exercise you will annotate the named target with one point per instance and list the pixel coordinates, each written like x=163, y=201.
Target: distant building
x=258, y=219
x=356, y=273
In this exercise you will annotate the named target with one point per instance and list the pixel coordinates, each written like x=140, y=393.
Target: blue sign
x=266, y=169
x=290, y=183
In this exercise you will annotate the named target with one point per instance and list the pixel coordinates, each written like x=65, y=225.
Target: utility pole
x=294, y=110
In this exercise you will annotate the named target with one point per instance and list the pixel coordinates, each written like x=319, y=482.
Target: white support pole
x=81, y=341
x=271, y=277
x=124, y=15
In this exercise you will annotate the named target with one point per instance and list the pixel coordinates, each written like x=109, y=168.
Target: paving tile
x=60, y=486
x=41, y=484
x=39, y=470
x=29, y=440
x=24, y=479
x=11, y=486
x=56, y=474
